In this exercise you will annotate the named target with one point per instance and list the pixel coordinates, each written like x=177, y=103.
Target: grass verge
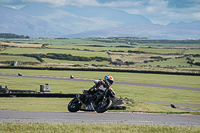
x=91, y=128
x=60, y=105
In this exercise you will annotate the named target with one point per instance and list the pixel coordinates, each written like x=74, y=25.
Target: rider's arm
x=92, y=89
x=97, y=82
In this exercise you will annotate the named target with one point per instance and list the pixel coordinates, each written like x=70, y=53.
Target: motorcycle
x=100, y=101
x=19, y=74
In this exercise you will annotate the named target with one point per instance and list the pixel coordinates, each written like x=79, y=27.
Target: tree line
x=10, y=35
x=65, y=57
x=135, y=40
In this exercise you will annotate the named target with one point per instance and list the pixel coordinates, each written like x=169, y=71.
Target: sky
x=158, y=11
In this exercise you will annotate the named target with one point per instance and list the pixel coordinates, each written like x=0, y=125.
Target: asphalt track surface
x=92, y=117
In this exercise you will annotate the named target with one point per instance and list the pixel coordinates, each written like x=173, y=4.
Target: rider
x=101, y=84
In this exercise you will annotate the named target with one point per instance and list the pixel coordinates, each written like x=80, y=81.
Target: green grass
x=47, y=60
x=77, y=47
x=17, y=58
x=106, y=48
x=182, y=62
x=197, y=59
x=161, y=50
x=94, y=128
x=193, y=51
x=140, y=93
x=195, y=68
x=60, y=104
x=57, y=86
x=58, y=51
x=34, y=104
x=76, y=41
x=133, y=57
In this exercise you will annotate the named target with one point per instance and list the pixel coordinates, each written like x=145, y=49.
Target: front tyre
x=102, y=107
x=73, y=105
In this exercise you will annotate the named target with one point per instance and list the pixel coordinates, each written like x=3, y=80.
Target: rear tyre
x=73, y=105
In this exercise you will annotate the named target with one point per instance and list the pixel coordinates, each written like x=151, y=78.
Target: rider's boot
x=79, y=98
x=90, y=107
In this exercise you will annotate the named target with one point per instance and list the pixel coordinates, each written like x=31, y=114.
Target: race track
x=92, y=117
x=108, y=117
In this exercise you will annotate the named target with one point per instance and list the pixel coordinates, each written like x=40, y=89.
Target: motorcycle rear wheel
x=103, y=107
x=73, y=105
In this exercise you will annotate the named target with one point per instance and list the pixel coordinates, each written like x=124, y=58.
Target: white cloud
x=67, y=2
x=155, y=10
x=158, y=11
x=196, y=15
x=123, y=4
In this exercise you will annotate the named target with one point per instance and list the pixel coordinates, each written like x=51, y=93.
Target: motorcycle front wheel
x=101, y=107
x=73, y=105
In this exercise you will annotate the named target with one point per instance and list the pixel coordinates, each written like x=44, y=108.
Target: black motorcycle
x=100, y=101
x=19, y=74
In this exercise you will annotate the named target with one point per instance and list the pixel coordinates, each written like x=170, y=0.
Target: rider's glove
x=102, y=82
x=92, y=89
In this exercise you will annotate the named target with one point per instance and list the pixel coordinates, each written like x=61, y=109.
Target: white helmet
x=109, y=80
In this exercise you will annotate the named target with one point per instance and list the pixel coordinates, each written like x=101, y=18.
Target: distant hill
x=58, y=17
x=80, y=19
x=82, y=22
x=141, y=30
x=105, y=13
x=182, y=25
x=14, y=21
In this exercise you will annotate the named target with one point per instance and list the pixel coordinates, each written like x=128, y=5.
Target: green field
x=59, y=51
x=161, y=50
x=76, y=41
x=169, y=63
x=92, y=48
x=64, y=63
x=193, y=51
x=91, y=128
x=122, y=53
x=133, y=57
x=14, y=58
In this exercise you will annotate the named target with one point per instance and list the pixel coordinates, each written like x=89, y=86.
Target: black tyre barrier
x=38, y=95
x=118, y=108
x=115, y=106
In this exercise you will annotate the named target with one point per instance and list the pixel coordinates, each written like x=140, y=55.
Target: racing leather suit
x=99, y=85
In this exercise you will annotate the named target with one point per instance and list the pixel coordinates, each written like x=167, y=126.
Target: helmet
x=109, y=80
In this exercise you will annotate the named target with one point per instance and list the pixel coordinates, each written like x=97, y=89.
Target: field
x=12, y=58
x=120, y=53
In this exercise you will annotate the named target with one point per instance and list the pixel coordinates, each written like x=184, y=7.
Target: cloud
x=63, y=2
x=158, y=11
x=161, y=11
